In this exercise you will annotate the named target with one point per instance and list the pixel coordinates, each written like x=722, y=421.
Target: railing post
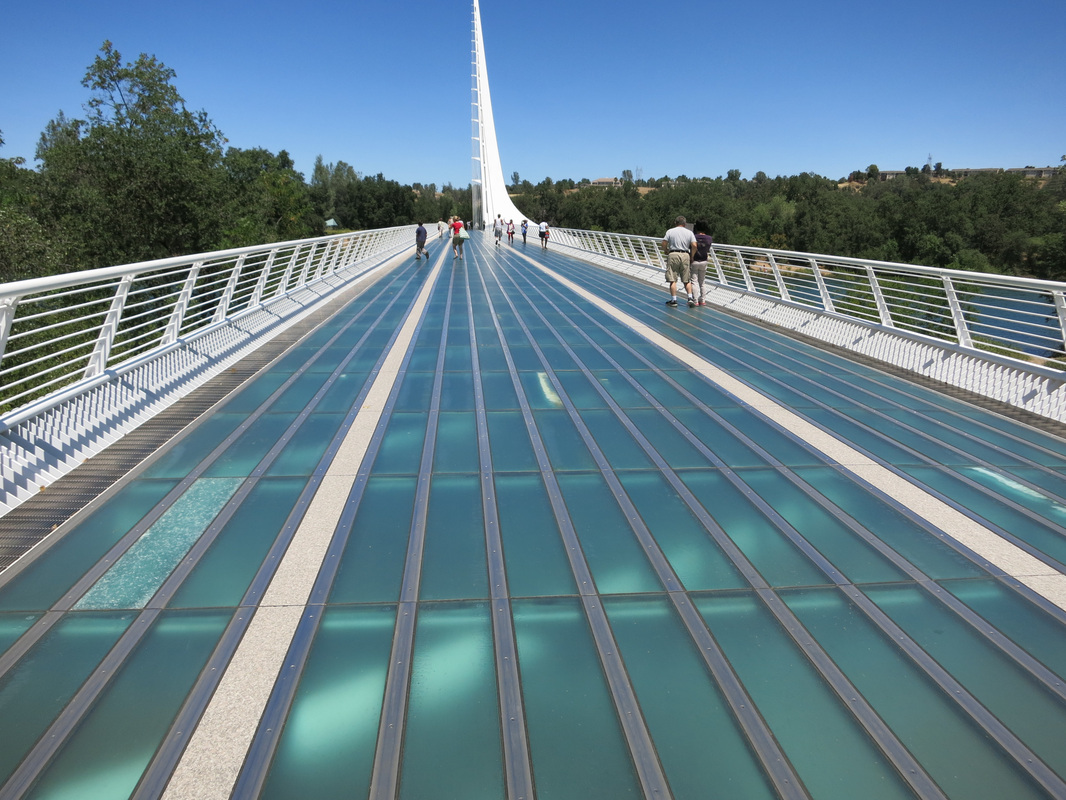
x=1057, y=297
x=177, y=316
x=7, y=317
x=260, y=285
x=102, y=348
x=222, y=309
x=962, y=329
x=781, y=287
x=308, y=262
x=879, y=298
x=283, y=287
x=823, y=290
x=748, y=282
x=718, y=266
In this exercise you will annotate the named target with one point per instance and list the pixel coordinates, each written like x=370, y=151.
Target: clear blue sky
x=580, y=89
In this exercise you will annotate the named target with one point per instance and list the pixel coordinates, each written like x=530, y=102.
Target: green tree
x=140, y=178
x=268, y=199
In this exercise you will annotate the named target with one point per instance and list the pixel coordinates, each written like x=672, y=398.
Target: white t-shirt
x=679, y=238
x=543, y=227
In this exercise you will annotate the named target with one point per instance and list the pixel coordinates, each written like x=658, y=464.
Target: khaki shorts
x=677, y=267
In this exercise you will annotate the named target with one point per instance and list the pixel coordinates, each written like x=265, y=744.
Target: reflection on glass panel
x=614, y=554
x=699, y=743
x=401, y=449
x=568, y=706
x=452, y=744
x=856, y=559
x=456, y=447
x=939, y=734
x=698, y=561
x=37, y=688
x=779, y=561
x=327, y=746
x=108, y=752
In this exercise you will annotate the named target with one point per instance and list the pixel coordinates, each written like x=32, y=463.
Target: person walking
x=510, y=232
x=440, y=229
x=525, y=230
x=497, y=229
x=679, y=245
x=420, y=243
x=457, y=239
x=699, y=260
x=543, y=234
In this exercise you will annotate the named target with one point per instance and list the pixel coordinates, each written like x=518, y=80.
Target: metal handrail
x=61, y=331
x=1004, y=316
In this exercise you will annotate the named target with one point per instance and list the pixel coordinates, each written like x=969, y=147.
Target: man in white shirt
x=679, y=245
x=543, y=234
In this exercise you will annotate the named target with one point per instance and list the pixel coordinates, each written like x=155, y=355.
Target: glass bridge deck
x=550, y=558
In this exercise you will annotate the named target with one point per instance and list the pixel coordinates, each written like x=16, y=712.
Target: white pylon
x=489, y=189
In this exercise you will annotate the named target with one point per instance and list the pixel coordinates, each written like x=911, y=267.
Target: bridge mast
x=488, y=187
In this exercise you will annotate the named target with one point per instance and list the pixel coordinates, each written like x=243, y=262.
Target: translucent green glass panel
x=856, y=559
x=303, y=451
x=296, y=397
x=581, y=393
x=664, y=393
x=12, y=626
x=1030, y=627
x=534, y=553
x=770, y=438
x=338, y=399
x=1003, y=483
x=222, y=576
x=36, y=689
x=111, y=747
x=371, y=567
x=188, y=451
x=565, y=447
x=415, y=392
x=43, y=582
x=669, y=442
x=697, y=560
x=140, y=571
x=779, y=560
x=456, y=447
x=453, y=563
x=936, y=730
x=539, y=391
x=576, y=742
x=452, y=744
x=245, y=454
x=1033, y=713
x=621, y=390
x=498, y=389
x=457, y=390
x=614, y=555
x=509, y=441
x=722, y=442
x=826, y=745
x=617, y=444
x=970, y=447
x=327, y=746
x=706, y=392
x=862, y=436
x=254, y=393
x=699, y=743
x=900, y=532
x=1040, y=536
x=401, y=449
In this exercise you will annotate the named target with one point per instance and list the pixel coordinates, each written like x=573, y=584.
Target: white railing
x=996, y=316
x=59, y=334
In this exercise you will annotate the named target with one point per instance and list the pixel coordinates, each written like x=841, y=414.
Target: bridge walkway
x=509, y=526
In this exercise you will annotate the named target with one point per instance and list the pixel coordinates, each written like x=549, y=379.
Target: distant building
x=606, y=182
